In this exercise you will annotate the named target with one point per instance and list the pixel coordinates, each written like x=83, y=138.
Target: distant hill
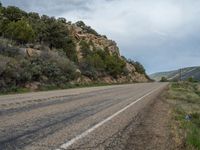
x=186, y=73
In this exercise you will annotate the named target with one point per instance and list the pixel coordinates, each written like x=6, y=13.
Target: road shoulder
x=150, y=129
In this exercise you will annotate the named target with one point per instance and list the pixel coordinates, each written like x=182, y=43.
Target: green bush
x=48, y=68
x=114, y=65
x=191, y=79
x=138, y=66
x=87, y=29
x=163, y=79
x=20, y=31
x=70, y=50
x=9, y=72
x=100, y=63
x=13, y=13
x=23, y=27
x=85, y=48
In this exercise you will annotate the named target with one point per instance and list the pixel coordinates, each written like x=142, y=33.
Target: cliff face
x=98, y=41
x=103, y=43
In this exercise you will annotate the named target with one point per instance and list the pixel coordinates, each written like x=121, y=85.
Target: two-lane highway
x=85, y=118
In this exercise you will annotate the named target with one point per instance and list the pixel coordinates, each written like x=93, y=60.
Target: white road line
x=72, y=141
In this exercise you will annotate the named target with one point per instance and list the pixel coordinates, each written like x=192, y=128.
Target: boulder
x=33, y=86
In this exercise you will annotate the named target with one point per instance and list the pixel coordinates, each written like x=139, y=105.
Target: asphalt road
x=85, y=118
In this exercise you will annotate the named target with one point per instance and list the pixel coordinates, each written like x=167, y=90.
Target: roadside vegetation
x=185, y=99
x=163, y=79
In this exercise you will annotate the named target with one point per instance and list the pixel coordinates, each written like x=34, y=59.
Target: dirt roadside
x=150, y=130
x=153, y=131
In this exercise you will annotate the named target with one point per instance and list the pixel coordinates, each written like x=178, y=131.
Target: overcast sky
x=161, y=34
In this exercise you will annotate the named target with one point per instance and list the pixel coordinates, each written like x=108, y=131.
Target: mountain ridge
x=179, y=74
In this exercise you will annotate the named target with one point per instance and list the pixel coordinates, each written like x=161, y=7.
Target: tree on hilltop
x=20, y=31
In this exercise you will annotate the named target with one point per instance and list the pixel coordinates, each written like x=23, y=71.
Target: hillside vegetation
x=38, y=51
x=190, y=73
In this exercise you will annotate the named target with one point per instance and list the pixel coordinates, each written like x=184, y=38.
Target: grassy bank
x=185, y=99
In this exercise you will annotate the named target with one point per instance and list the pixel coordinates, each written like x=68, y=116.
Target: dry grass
x=185, y=99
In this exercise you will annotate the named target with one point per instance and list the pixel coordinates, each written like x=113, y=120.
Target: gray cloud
x=162, y=34
x=50, y=7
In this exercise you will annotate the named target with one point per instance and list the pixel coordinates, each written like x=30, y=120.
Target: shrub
x=20, y=31
x=10, y=72
x=88, y=29
x=70, y=50
x=101, y=63
x=114, y=65
x=48, y=68
x=55, y=66
x=9, y=51
x=85, y=48
x=88, y=70
x=139, y=68
x=163, y=79
x=191, y=79
x=13, y=13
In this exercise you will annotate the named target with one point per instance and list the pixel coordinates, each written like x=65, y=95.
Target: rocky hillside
x=39, y=50
x=186, y=74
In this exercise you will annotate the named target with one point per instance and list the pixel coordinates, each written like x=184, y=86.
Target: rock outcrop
x=98, y=42
x=103, y=43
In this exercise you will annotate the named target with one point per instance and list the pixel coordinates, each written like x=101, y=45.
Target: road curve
x=85, y=118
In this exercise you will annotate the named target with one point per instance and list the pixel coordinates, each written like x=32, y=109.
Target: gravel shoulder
x=149, y=130
x=153, y=129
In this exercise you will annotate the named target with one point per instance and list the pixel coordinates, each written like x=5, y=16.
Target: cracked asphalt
x=47, y=120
